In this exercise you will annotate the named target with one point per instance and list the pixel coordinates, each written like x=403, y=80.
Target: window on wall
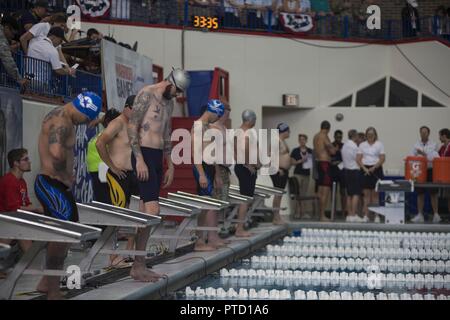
x=346, y=102
x=430, y=103
x=372, y=96
x=401, y=95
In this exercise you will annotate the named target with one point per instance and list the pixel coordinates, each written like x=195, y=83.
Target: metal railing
x=176, y=13
x=181, y=13
x=44, y=81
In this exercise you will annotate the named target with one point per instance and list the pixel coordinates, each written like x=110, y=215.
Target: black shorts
x=247, y=180
x=353, y=182
x=153, y=158
x=121, y=190
x=324, y=174
x=210, y=172
x=56, y=198
x=100, y=189
x=280, y=181
x=429, y=179
x=369, y=181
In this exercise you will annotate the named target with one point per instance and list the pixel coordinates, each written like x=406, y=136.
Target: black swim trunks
x=121, y=190
x=280, y=181
x=247, y=180
x=56, y=198
x=153, y=158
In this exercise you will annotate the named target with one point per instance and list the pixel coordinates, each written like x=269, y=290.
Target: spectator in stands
x=166, y=12
x=7, y=60
x=426, y=148
x=291, y=6
x=10, y=29
x=371, y=157
x=301, y=158
x=410, y=19
x=233, y=12
x=337, y=173
x=256, y=11
x=270, y=10
x=361, y=16
x=44, y=48
x=305, y=7
x=33, y=16
x=439, y=22
x=13, y=188
x=322, y=13
x=41, y=30
x=94, y=34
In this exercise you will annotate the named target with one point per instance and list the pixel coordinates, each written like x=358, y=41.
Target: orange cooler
x=416, y=169
x=441, y=170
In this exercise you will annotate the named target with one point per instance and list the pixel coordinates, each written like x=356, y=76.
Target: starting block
x=97, y=213
x=25, y=225
x=235, y=200
x=176, y=209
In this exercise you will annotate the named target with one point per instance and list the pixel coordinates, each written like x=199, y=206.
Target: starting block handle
x=202, y=228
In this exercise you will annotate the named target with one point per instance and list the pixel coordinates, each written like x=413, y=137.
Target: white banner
x=94, y=8
x=125, y=72
x=296, y=22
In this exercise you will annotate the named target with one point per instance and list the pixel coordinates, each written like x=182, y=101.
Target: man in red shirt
x=13, y=188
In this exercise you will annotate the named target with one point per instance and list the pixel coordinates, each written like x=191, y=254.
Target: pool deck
x=179, y=271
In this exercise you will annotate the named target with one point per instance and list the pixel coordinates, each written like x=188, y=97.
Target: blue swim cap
x=89, y=104
x=216, y=107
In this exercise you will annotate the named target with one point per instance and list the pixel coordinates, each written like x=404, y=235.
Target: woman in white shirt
x=370, y=159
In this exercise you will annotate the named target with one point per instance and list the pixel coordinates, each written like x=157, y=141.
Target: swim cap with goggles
x=89, y=104
x=180, y=79
x=216, y=107
x=282, y=127
x=248, y=116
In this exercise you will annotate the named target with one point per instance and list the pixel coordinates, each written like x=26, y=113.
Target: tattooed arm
x=166, y=135
x=140, y=107
x=168, y=177
x=58, y=135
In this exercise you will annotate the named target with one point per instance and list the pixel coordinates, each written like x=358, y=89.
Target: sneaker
x=436, y=218
x=365, y=219
x=350, y=219
x=377, y=219
x=418, y=218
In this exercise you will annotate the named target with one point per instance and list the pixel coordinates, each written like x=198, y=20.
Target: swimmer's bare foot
x=324, y=219
x=243, y=234
x=43, y=285
x=140, y=273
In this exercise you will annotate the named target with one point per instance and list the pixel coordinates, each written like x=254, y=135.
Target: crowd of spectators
x=42, y=35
